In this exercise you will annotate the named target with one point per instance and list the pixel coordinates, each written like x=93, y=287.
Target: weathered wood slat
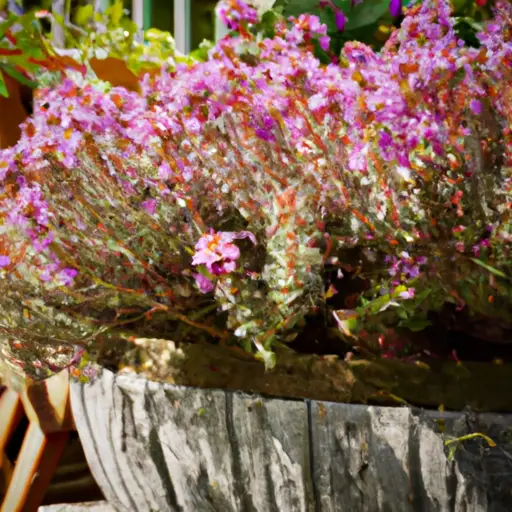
x=397, y=456
x=163, y=447
x=97, y=506
x=47, y=403
x=11, y=412
x=34, y=469
x=47, y=408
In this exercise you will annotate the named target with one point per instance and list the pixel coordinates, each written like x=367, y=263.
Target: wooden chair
x=48, y=410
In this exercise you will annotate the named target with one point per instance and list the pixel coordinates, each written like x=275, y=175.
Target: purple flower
x=324, y=42
x=90, y=371
x=395, y=7
x=205, y=285
x=65, y=276
x=340, y=20
x=264, y=134
x=4, y=261
x=476, y=107
x=149, y=205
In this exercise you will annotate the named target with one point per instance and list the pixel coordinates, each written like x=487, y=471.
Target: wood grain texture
x=161, y=447
x=95, y=506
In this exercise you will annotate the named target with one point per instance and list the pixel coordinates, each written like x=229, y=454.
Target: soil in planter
x=447, y=365
x=479, y=386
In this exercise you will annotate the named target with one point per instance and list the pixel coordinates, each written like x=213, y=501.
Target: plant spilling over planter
x=261, y=194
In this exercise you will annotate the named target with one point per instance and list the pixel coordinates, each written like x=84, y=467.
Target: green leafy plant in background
x=25, y=50
x=112, y=33
x=27, y=60
x=112, y=36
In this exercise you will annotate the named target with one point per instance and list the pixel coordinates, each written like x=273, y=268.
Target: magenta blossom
x=340, y=20
x=205, y=285
x=150, y=206
x=218, y=253
x=476, y=107
x=395, y=7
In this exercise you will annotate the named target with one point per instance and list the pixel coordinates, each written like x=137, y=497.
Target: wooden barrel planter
x=174, y=446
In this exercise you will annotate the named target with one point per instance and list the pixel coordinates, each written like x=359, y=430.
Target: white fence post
x=138, y=13
x=101, y=5
x=58, y=8
x=220, y=29
x=182, y=25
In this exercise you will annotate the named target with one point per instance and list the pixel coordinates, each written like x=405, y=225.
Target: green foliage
x=23, y=49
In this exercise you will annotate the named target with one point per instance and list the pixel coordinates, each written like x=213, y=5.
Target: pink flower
x=408, y=294
x=218, y=252
x=234, y=13
x=4, y=261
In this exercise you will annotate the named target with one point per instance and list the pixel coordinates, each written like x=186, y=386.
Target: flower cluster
x=236, y=13
x=218, y=253
x=127, y=211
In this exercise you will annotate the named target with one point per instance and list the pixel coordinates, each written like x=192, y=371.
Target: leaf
x=467, y=30
x=148, y=69
x=115, y=12
x=116, y=72
x=423, y=295
x=459, y=5
x=344, y=5
x=416, y=324
x=19, y=77
x=66, y=61
x=297, y=7
x=492, y=270
x=3, y=88
x=451, y=452
x=387, y=305
x=267, y=356
x=84, y=14
x=347, y=321
x=366, y=13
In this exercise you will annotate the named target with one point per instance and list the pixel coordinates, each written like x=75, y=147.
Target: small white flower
x=404, y=173
x=317, y=101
